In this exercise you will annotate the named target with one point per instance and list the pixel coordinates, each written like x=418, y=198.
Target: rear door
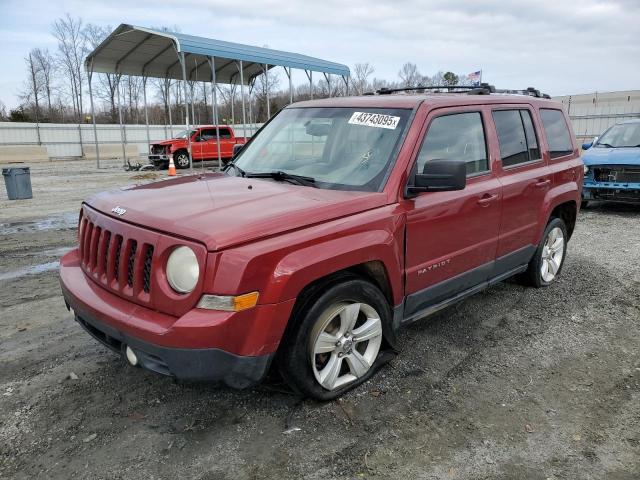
x=525, y=179
x=451, y=237
x=226, y=143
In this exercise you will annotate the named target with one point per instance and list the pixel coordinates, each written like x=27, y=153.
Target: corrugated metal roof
x=132, y=50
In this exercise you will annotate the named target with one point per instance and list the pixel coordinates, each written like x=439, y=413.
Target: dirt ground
x=513, y=383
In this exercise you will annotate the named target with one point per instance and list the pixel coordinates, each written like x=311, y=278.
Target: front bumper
x=202, y=345
x=158, y=158
x=612, y=191
x=206, y=364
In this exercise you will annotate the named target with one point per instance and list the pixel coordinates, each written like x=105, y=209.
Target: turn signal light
x=229, y=303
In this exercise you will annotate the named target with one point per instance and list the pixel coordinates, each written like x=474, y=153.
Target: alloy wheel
x=552, y=254
x=182, y=160
x=345, y=343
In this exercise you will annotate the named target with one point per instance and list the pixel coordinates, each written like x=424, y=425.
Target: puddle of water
x=31, y=270
x=61, y=221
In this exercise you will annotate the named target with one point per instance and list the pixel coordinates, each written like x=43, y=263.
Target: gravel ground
x=512, y=383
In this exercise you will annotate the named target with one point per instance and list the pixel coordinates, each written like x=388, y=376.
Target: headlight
x=586, y=169
x=183, y=270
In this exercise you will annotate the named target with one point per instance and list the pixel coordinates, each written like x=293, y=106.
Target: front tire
x=181, y=159
x=546, y=264
x=337, y=341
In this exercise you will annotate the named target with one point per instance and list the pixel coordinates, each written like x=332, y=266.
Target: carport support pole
x=169, y=103
x=250, y=111
x=288, y=72
x=266, y=84
x=327, y=77
x=186, y=107
x=244, y=117
x=146, y=112
x=122, y=139
x=93, y=117
x=214, y=97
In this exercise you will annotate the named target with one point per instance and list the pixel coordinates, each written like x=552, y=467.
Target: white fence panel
x=69, y=140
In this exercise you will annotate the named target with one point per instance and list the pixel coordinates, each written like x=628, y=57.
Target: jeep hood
x=221, y=211
x=612, y=156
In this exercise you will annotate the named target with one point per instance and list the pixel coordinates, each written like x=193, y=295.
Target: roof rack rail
x=482, y=89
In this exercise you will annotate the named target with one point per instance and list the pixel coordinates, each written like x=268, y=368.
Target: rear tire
x=584, y=204
x=546, y=264
x=336, y=343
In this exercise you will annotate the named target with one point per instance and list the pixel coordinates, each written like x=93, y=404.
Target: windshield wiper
x=237, y=168
x=607, y=145
x=281, y=176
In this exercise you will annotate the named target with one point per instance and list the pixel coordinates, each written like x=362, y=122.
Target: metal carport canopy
x=139, y=51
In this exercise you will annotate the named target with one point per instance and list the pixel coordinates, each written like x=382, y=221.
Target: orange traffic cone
x=172, y=167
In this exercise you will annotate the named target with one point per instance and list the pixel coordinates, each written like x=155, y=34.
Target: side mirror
x=440, y=176
x=236, y=149
x=197, y=138
x=587, y=146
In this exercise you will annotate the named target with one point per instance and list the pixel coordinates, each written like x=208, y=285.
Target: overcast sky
x=559, y=46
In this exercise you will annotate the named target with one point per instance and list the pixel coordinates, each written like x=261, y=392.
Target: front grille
x=617, y=174
x=116, y=261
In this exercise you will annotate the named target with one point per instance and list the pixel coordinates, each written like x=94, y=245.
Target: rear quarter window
x=557, y=132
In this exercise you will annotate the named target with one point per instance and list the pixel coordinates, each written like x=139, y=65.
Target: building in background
x=592, y=113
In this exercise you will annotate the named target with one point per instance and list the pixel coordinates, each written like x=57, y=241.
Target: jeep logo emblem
x=119, y=210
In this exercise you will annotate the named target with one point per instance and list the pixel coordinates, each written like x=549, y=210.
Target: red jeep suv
x=341, y=221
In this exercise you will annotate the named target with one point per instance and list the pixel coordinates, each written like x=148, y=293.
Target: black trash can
x=18, y=182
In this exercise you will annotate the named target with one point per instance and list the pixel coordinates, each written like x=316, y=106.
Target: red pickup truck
x=204, y=146
x=341, y=221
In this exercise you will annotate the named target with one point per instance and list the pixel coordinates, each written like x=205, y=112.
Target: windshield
x=337, y=148
x=183, y=134
x=621, y=135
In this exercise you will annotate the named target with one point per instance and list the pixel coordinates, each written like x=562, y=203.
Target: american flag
x=475, y=78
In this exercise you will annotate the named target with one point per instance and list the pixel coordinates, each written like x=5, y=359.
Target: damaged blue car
x=612, y=165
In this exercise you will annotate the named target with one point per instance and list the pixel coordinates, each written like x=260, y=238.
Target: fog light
x=131, y=356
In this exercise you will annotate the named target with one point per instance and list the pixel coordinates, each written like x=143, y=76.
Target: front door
x=451, y=237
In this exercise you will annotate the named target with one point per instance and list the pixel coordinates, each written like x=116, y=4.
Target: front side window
x=516, y=136
x=620, y=136
x=456, y=137
x=558, y=136
x=339, y=148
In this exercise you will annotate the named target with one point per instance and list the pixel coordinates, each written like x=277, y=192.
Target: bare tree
x=409, y=75
x=33, y=84
x=3, y=112
x=72, y=48
x=362, y=72
x=45, y=63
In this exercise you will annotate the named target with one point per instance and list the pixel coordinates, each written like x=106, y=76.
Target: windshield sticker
x=374, y=120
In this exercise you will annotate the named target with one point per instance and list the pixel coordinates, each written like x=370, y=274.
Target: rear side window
x=516, y=136
x=558, y=136
x=211, y=134
x=456, y=137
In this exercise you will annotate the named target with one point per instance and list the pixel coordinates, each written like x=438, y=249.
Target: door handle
x=543, y=183
x=486, y=199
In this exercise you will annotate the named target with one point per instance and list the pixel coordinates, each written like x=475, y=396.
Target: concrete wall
x=592, y=113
